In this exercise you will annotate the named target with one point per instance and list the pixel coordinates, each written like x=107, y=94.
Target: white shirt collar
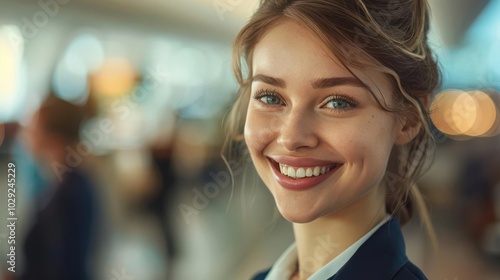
x=285, y=266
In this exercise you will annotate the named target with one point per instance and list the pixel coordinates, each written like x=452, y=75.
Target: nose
x=298, y=131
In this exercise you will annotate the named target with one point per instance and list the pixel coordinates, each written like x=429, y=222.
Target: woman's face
x=317, y=136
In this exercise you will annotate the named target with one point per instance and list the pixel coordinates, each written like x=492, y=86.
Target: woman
x=332, y=112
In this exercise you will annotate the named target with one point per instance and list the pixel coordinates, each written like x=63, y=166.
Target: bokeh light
x=83, y=56
x=486, y=114
x=464, y=114
x=8, y=68
x=116, y=77
x=70, y=79
x=441, y=111
x=90, y=48
x=12, y=75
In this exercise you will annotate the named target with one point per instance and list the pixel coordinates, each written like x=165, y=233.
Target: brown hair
x=385, y=35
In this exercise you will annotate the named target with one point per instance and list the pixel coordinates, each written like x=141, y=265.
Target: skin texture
x=342, y=123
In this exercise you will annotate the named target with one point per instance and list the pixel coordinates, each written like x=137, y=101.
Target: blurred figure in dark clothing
x=60, y=242
x=162, y=204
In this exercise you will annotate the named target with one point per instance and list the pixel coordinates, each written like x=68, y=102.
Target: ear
x=407, y=131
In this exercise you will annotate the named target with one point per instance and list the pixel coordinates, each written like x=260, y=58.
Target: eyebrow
x=337, y=81
x=320, y=83
x=269, y=80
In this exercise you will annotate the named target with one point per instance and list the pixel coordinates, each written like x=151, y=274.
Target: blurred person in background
x=62, y=237
x=335, y=124
x=161, y=203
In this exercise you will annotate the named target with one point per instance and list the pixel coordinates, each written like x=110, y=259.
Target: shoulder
x=261, y=275
x=381, y=257
x=409, y=272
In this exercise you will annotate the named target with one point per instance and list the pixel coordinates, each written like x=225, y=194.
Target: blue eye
x=339, y=102
x=271, y=100
x=269, y=97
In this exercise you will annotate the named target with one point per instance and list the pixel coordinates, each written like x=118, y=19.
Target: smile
x=301, y=173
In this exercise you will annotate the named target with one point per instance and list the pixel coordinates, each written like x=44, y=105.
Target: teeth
x=285, y=170
x=316, y=171
x=301, y=172
x=309, y=172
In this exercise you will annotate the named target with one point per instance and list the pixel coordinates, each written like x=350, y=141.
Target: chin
x=298, y=216
x=308, y=213
x=299, y=219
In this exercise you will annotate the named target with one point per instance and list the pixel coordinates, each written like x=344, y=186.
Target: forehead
x=291, y=52
x=289, y=48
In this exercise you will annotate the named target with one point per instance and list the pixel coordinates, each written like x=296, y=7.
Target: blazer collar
x=380, y=257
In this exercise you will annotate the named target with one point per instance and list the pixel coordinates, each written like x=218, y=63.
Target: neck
x=322, y=240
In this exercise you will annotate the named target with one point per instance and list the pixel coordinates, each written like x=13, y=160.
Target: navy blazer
x=381, y=257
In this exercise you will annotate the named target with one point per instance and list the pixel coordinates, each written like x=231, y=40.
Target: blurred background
x=153, y=81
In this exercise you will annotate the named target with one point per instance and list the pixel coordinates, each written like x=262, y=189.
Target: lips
x=295, y=173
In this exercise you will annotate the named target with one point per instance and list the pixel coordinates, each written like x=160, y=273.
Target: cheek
x=368, y=141
x=260, y=130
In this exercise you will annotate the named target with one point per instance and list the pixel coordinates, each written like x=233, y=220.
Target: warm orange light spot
x=442, y=111
x=462, y=115
x=464, y=112
x=116, y=77
x=486, y=114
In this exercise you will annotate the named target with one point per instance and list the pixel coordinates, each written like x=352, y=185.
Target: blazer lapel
x=379, y=258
